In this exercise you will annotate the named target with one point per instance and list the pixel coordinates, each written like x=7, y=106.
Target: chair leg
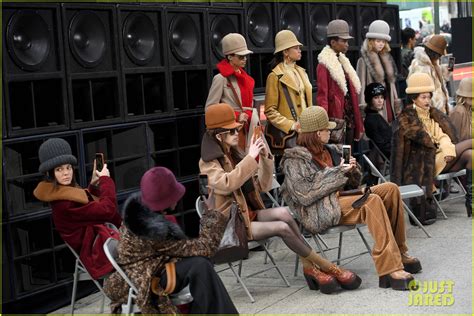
x=297, y=261
x=339, y=249
x=364, y=241
x=74, y=287
x=414, y=218
x=440, y=208
x=326, y=246
x=276, y=266
x=321, y=251
x=242, y=283
x=460, y=185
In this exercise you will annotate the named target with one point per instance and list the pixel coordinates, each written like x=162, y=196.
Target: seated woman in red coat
x=79, y=214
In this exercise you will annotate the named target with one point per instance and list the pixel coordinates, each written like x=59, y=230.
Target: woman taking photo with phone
x=233, y=176
x=315, y=175
x=79, y=215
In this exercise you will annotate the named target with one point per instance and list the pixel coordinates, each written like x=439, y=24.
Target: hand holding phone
x=257, y=132
x=99, y=161
x=346, y=153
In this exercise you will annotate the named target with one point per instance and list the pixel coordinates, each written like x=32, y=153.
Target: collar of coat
x=146, y=224
x=210, y=148
x=337, y=66
x=286, y=78
x=48, y=192
x=380, y=66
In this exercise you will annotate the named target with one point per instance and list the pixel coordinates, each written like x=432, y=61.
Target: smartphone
x=451, y=62
x=346, y=153
x=99, y=161
x=257, y=132
x=203, y=188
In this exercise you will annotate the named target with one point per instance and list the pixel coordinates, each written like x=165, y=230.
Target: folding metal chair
x=406, y=192
x=81, y=274
x=447, y=177
x=110, y=249
x=251, y=245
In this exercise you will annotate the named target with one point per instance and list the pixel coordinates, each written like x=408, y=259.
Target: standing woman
x=232, y=85
x=79, y=214
x=231, y=173
x=377, y=65
x=287, y=75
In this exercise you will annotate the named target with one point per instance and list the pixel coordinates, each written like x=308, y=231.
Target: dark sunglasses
x=241, y=57
x=232, y=131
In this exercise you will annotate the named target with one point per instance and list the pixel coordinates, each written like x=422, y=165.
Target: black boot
x=469, y=193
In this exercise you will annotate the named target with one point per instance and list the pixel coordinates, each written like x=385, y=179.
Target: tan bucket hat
x=314, y=119
x=338, y=28
x=465, y=88
x=234, y=43
x=284, y=40
x=419, y=83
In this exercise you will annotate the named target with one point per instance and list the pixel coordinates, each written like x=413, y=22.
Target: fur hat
x=437, y=43
x=338, y=28
x=53, y=153
x=234, y=43
x=160, y=189
x=419, y=83
x=465, y=88
x=314, y=119
x=372, y=90
x=220, y=115
x=379, y=29
x=284, y=40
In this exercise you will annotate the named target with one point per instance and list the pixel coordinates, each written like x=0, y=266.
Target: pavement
x=445, y=281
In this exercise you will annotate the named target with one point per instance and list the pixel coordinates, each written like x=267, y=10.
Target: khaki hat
x=437, y=43
x=234, y=43
x=419, y=83
x=465, y=88
x=284, y=40
x=221, y=115
x=379, y=29
x=338, y=28
x=314, y=119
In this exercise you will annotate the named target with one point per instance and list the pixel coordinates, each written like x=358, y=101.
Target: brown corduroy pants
x=384, y=215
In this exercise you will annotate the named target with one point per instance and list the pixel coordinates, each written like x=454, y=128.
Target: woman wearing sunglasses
x=232, y=85
x=231, y=173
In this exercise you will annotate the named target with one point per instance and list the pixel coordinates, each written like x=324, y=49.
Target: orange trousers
x=384, y=215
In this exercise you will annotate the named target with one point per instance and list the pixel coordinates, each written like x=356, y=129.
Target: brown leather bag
x=364, y=193
x=170, y=281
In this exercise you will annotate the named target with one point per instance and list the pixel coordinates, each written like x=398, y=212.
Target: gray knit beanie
x=53, y=153
x=379, y=29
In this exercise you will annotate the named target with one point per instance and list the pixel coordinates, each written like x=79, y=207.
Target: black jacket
x=379, y=131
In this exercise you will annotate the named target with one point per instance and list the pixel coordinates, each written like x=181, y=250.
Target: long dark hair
x=312, y=142
x=236, y=153
x=277, y=58
x=432, y=54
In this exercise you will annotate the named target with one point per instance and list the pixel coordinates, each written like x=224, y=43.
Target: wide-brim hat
x=465, y=88
x=284, y=40
x=234, y=43
x=221, y=115
x=160, y=189
x=315, y=118
x=338, y=28
x=437, y=43
x=419, y=82
x=53, y=153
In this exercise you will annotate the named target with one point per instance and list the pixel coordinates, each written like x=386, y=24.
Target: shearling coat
x=311, y=191
x=440, y=74
x=381, y=68
x=413, y=151
x=148, y=242
x=461, y=117
x=332, y=73
x=227, y=181
x=276, y=106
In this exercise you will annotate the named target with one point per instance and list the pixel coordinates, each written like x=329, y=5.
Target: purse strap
x=236, y=97
x=289, y=101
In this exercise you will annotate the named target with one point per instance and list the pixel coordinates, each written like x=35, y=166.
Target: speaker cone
x=184, y=37
x=389, y=16
x=139, y=39
x=28, y=40
x=290, y=19
x=347, y=14
x=259, y=24
x=319, y=19
x=367, y=16
x=220, y=27
x=87, y=38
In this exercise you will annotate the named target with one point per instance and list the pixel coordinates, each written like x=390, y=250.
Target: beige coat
x=276, y=106
x=228, y=181
x=461, y=117
x=220, y=92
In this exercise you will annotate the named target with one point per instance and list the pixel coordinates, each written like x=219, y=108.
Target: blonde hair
x=371, y=46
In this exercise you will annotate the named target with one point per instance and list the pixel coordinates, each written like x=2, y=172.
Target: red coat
x=331, y=98
x=81, y=224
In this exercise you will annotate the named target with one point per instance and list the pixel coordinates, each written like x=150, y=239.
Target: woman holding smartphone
x=315, y=175
x=79, y=215
x=234, y=176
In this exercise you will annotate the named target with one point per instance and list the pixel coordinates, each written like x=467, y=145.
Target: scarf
x=324, y=159
x=244, y=81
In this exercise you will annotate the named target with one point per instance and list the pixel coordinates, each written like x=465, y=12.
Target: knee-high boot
x=469, y=193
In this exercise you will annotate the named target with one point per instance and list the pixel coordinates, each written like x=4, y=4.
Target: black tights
x=279, y=222
x=463, y=158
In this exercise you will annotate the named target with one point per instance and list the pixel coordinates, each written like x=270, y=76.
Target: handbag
x=277, y=139
x=360, y=201
x=338, y=133
x=233, y=244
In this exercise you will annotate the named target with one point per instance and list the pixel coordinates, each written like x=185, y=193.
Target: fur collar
x=147, y=224
x=424, y=60
x=48, y=192
x=380, y=66
x=337, y=66
x=210, y=148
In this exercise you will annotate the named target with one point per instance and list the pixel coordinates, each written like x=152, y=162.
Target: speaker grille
x=28, y=40
x=87, y=38
x=290, y=19
x=367, y=16
x=139, y=38
x=184, y=35
x=259, y=24
x=320, y=16
x=221, y=25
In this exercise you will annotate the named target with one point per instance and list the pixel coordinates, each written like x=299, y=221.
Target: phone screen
x=203, y=189
x=346, y=153
x=99, y=161
x=451, y=63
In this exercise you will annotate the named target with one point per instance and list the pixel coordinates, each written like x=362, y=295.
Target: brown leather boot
x=317, y=279
x=347, y=279
x=411, y=264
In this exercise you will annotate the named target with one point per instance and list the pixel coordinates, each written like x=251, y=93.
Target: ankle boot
x=469, y=193
x=410, y=264
x=318, y=280
x=386, y=281
x=347, y=279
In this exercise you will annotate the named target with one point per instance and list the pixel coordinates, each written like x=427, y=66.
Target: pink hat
x=160, y=189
